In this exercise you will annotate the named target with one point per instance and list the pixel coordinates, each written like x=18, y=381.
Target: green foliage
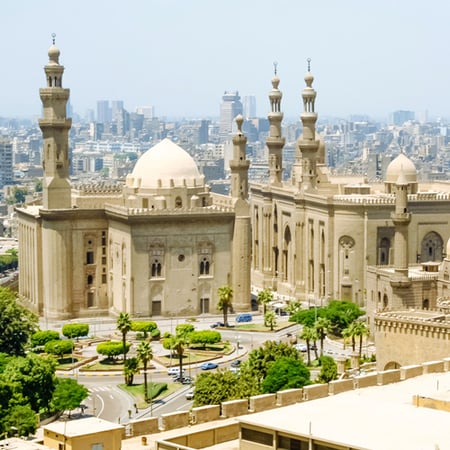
x=145, y=354
x=214, y=388
x=184, y=329
x=328, y=369
x=204, y=337
x=285, y=373
x=38, y=185
x=309, y=335
x=264, y=297
x=307, y=317
x=124, y=326
x=9, y=260
x=17, y=324
x=18, y=195
x=112, y=349
x=68, y=395
x=155, y=334
x=270, y=319
x=225, y=301
x=143, y=327
x=58, y=347
x=75, y=330
x=42, y=337
x=261, y=359
x=341, y=314
x=131, y=367
x=31, y=378
x=21, y=420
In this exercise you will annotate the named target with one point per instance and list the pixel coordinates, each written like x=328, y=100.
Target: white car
x=174, y=371
x=189, y=394
x=301, y=347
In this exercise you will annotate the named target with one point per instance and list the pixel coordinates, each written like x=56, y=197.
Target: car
x=245, y=317
x=236, y=363
x=209, y=366
x=301, y=347
x=183, y=380
x=174, y=371
x=189, y=394
x=217, y=324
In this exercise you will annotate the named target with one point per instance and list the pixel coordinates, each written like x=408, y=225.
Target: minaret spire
x=275, y=142
x=304, y=171
x=239, y=164
x=55, y=128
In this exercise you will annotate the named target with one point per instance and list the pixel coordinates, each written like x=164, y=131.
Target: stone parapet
x=262, y=402
x=315, y=391
x=175, y=420
x=410, y=371
x=289, y=397
x=234, y=408
x=338, y=386
x=389, y=376
x=205, y=413
x=366, y=380
x=433, y=367
x=140, y=427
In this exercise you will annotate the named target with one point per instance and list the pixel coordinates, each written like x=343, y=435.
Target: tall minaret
x=304, y=173
x=275, y=142
x=401, y=218
x=55, y=130
x=241, y=246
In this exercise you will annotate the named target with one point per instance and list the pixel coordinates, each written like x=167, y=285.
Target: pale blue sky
x=180, y=55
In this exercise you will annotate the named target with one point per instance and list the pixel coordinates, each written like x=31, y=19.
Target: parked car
x=189, y=394
x=174, y=371
x=301, y=347
x=209, y=366
x=183, y=380
x=217, y=324
x=244, y=317
x=236, y=363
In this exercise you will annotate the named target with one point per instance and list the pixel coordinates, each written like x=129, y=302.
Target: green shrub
x=75, y=330
x=59, y=347
x=156, y=334
x=112, y=349
x=42, y=337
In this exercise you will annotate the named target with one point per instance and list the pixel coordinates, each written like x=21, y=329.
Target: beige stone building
x=162, y=244
x=315, y=235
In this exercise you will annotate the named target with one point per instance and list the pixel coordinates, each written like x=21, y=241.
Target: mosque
x=162, y=244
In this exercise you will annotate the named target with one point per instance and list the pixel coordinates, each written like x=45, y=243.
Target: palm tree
x=179, y=343
x=309, y=334
x=321, y=325
x=264, y=297
x=145, y=354
x=270, y=319
x=225, y=297
x=349, y=333
x=124, y=326
x=361, y=330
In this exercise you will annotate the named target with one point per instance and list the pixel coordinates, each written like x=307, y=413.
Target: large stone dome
x=165, y=165
x=401, y=164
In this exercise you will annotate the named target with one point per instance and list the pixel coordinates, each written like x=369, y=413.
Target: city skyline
x=180, y=57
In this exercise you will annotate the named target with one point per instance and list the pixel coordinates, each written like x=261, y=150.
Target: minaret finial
x=309, y=64
x=275, y=65
x=53, y=38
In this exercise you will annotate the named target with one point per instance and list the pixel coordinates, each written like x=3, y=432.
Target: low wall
x=234, y=408
x=207, y=413
x=338, y=386
x=366, y=380
x=175, y=420
x=433, y=366
x=262, y=402
x=289, y=397
x=411, y=371
x=315, y=391
x=388, y=376
x=144, y=426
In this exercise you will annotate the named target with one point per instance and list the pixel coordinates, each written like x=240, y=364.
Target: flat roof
x=81, y=427
x=375, y=418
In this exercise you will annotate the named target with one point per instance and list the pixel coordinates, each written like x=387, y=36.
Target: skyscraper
x=230, y=107
x=6, y=165
x=103, y=111
x=249, y=104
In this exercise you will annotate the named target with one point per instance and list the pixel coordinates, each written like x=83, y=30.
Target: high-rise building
x=249, y=105
x=104, y=114
x=400, y=117
x=147, y=111
x=230, y=108
x=6, y=162
x=116, y=110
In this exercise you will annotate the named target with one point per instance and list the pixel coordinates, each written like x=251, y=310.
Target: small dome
x=165, y=165
x=401, y=165
x=53, y=54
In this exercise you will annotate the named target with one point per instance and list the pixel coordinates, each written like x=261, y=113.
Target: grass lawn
x=104, y=364
x=137, y=392
x=250, y=326
x=68, y=362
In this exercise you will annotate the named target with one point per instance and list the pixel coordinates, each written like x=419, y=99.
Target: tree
x=144, y=327
x=360, y=331
x=184, y=329
x=309, y=335
x=38, y=185
x=17, y=324
x=68, y=395
x=218, y=387
x=264, y=298
x=124, y=326
x=224, y=304
x=321, y=325
x=112, y=349
x=130, y=368
x=18, y=195
x=285, y=373
x=42, y=337
x=177, y=343
x=58, y=347
x=307, y=316
x=33, y=378
x=270, y=319
x=145, y=354
x=21, y=420
x=349, y=333
x=75, y=330
x=328, y=369
x=204, y=337
x=341, y=314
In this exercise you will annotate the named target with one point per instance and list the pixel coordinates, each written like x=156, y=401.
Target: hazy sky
x=368, y=56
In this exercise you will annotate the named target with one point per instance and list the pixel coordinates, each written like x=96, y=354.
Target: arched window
x=90, y=280
x=383, y=251
x=205, y=255
x=178, y=202
x=156, y=260
x=425, y=303
x=385, y=301
x=432, y=246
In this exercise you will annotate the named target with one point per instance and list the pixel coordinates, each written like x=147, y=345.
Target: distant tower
x=249, y=106
x=104, y=112
x=240, y=275
x=274, y=141
x=230, y=108
x=401, y=218
x=55, y=130
x=6, y=163
x=304, y=170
